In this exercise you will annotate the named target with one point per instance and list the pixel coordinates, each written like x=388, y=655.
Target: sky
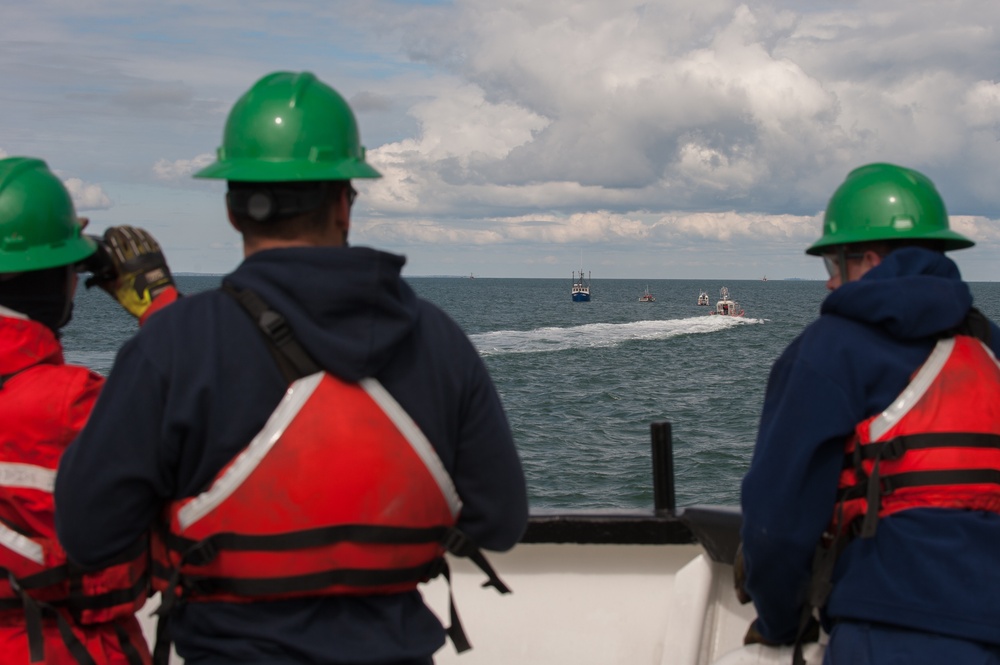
x=664, y=139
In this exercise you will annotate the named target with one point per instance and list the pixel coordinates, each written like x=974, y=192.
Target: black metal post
x=664, y=500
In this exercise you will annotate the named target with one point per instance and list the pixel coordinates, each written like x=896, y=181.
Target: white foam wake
x=597, y=335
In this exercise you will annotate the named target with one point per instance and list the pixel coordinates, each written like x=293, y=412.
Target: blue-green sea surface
x=582, y=382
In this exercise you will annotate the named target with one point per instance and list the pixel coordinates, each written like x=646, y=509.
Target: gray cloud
x=662, y=124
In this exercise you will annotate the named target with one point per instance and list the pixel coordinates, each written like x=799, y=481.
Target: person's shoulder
x=830, y=343
x=63, y=374
x=430, y=314
x=187, y=309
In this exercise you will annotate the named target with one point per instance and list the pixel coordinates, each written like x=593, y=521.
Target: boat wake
x=599, y=335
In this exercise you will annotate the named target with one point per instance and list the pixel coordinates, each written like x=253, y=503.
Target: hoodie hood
x=24, y=343
x=348, y=306
x=914, y=293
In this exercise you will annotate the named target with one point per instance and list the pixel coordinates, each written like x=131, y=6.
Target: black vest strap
x=125, y=642
x=455, y=631
x=199, y=553
x=360, y=577
x=294, y=361
x=975, y=325
x=161, y=650
x=895, y=448
x=896, y=481
x=79, y=602
x=33, y=612
x=459, y=544
x=46, y=578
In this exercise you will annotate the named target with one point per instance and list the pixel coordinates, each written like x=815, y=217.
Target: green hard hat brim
x=950, y=240
x=64, y=253
x=255, y=170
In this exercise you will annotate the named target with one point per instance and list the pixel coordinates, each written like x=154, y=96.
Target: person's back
x=203, y=381
x=851, y=457
x=50, y=610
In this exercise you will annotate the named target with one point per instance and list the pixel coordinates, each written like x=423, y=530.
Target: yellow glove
x=140, y=270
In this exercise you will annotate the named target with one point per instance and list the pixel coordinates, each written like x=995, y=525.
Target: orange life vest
x=35, y=571
x=36, y=578
x=33, y=566
x=339, y=493
x=936, y=446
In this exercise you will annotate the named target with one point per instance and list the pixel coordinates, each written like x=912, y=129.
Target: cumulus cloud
x=3, y=153
x=692, y=105
x=165, y=169
x=87, y=196
x=601, y=227
x=501, y=123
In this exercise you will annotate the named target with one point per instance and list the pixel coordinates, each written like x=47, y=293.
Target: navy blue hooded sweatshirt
x=933, y=570
x=196, y=384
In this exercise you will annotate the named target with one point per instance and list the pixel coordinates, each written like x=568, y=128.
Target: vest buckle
x=456, y=542
x=894, y=448
x=201, y=553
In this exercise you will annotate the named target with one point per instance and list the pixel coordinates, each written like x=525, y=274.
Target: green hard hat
x=886, y=202
x=290, y=126
x=38, y=225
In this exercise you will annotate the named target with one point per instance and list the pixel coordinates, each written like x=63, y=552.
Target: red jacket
x=43, y=405
x=936, y=446
x=340, y=493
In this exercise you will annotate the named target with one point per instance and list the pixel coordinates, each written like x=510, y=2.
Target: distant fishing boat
x=703, y=298
x=581, y=287
x=726, y=306
x=647, y=296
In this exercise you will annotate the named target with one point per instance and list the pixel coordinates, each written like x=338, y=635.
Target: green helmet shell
x=287, y=127
x=886, y=202
x=38, y=225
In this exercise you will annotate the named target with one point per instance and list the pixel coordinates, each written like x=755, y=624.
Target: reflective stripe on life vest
x=27, y=476
x=37, y=566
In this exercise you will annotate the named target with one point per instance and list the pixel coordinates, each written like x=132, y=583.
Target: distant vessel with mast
x=581, y=287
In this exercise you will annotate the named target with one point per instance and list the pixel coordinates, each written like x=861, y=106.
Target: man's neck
x=254, y=245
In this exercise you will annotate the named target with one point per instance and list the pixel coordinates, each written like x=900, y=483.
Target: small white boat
x=726, y=306
x=703, y=298
x=647, y=296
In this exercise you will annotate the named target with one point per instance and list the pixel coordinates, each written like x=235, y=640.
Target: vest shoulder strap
x=292, y=358
x=975, y=324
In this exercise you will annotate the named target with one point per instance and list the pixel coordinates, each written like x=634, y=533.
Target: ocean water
x=582, y=382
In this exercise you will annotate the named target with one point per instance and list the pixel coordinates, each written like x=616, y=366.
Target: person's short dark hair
x=283, y=209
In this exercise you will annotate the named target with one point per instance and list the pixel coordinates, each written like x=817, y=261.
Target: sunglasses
x=351, y=195
x=832, y=262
